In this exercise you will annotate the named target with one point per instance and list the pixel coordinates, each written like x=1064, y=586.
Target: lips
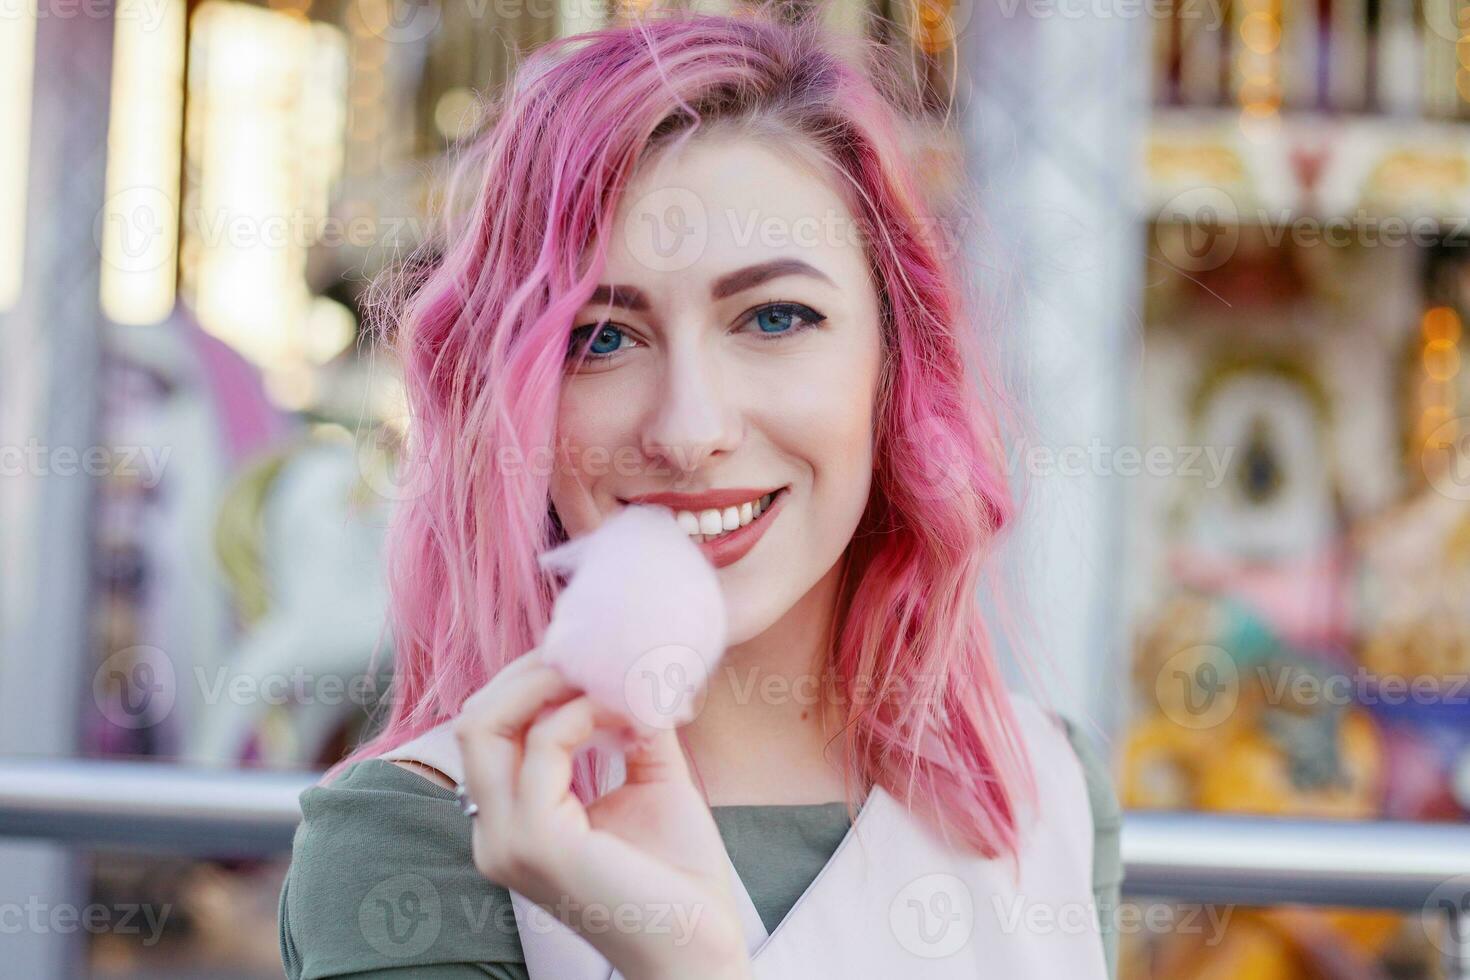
x=725, y=524
x=730, y=548
x=708, y=500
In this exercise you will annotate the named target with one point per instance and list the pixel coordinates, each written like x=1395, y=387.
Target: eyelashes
x=798, y=316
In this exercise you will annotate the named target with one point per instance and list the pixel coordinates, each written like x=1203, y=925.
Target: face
x=735, y=355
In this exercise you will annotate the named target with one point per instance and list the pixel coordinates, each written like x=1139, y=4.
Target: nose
x=692, y=421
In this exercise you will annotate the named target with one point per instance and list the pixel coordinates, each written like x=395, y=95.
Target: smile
x=715, y=523
x=725, y=533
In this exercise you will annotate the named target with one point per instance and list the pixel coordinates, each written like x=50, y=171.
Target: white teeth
x=707, y=524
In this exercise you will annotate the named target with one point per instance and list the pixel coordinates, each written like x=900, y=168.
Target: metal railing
x=1192, y=857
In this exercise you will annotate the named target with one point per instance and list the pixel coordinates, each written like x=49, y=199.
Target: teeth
x=706, y=525
x=709, y=522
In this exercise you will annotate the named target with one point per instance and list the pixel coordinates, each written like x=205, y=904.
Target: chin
x=748, y=615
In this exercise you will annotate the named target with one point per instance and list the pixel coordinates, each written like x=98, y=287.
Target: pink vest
x=894, y=900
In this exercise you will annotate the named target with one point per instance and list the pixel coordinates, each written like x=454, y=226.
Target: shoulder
x=1060, y=733
x=1106, y=810
x=382, y=876
x=1063, y=733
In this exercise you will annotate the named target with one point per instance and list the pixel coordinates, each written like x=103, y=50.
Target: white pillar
x=1054, y=105
x=48, y=393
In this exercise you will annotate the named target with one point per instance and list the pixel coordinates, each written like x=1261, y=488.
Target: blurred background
x=1229, y=239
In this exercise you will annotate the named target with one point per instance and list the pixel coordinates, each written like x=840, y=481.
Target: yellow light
x=1441, y=323
x=455, y=114
x=140, y=216
x=1431, y=419
x=268, y=91
x=1260, y=32
x=17, y=69
x=1441, y=360
x=330, y=329
x=1433, y=392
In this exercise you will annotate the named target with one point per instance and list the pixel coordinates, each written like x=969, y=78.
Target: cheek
x=591, y=442
x=828, y=415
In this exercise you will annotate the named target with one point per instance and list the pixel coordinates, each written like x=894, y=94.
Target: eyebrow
x=632, y=298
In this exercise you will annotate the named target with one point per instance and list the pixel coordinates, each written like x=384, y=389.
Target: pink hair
x=483, y=341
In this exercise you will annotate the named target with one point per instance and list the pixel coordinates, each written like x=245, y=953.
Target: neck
x=766, y=732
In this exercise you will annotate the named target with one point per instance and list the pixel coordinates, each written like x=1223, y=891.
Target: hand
x=644, y=864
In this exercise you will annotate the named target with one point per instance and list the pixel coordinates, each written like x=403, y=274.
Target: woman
x=700, y=272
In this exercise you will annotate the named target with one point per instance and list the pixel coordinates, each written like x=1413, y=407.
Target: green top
x=382, y=885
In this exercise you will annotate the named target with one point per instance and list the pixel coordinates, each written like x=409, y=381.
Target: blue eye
x=781, y=319
x=604, y=344
x=603, y=341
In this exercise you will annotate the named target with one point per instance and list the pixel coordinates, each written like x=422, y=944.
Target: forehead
x=724, y=202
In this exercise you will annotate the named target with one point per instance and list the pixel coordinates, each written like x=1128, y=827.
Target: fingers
x=506, y=705
x=490, y=727
x=546, y=764
x=659, y=758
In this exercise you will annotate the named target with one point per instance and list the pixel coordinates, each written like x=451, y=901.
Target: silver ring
x=466, y=805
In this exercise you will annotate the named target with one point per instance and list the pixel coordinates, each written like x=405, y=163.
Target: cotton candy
x=642, y=622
